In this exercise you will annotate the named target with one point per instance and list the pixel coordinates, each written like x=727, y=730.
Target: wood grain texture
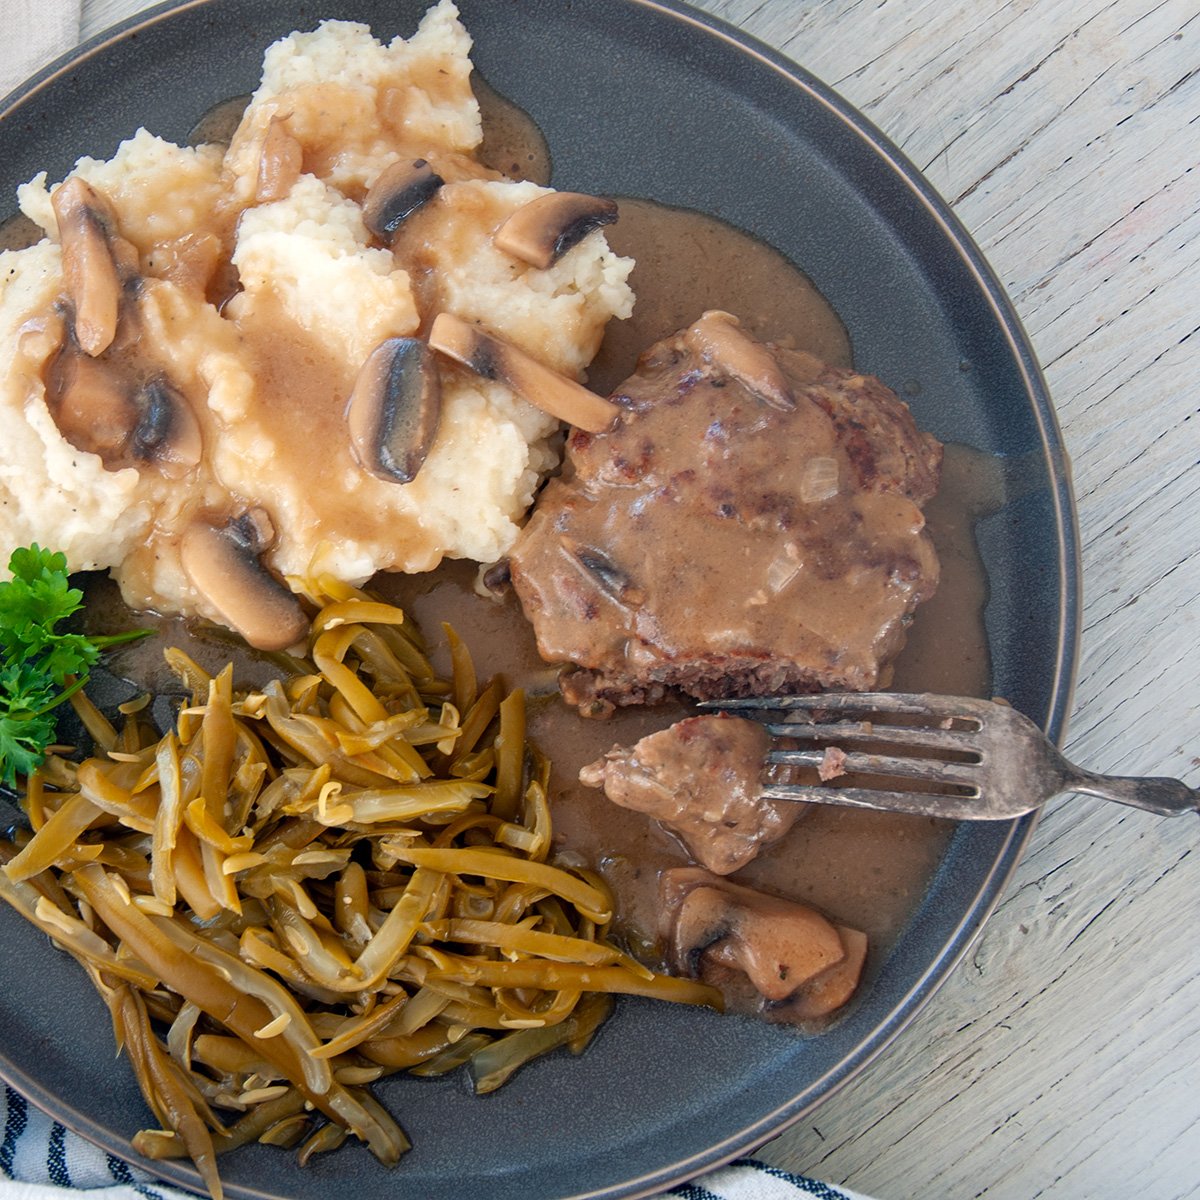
x=1062, y=1059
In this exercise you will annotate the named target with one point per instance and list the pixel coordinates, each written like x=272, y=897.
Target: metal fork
x=945, y=756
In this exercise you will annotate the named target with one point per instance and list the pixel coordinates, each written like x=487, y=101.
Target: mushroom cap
x=782, y=947
x=493, y=358
x=614, y=579
x=833, y=987
x=718, y=338
x=167, y=430
x=99, y=408
x=543, y=230
x=399, y=191
x=223, y=565
x=86, y=228
x=91, y=404
x=395, y=408
x=253, y=529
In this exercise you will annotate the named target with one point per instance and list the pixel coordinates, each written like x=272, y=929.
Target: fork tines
x=962, y=776
x=954, y=808
x=867, y=717
x=889, y=726
x=884, y=703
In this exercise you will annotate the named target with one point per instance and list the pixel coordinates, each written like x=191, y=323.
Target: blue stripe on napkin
x=14, y=1125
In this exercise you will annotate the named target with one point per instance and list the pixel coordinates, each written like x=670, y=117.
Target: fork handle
x=1167, y=797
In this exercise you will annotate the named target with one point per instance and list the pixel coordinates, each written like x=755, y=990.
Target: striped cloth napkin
x=39, y=1159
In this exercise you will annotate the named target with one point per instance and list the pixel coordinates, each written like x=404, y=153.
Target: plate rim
x=1061, y=682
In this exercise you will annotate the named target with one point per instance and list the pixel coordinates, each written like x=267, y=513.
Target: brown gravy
x=18, y=232
x=512, y=143
x=688, y=262
x=867, y=869
x=947, y=650
x=219, y=124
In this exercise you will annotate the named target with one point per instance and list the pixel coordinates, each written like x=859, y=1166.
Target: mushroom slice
x=827, y=992
x=543, y=230
x=615, y=581
x=720, y=341
x=99, y=408
x=92, y=405
x=253, y=529
x=398, y=192
x=167, y=431
x=717, y=930
x=223, y=565
x=279, y=163
x=86, y=228
x=394, y=409
x=493, y=358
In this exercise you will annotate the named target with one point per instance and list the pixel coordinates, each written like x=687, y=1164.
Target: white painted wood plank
x=1063, y=1058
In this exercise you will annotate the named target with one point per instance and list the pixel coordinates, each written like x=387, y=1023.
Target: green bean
x=510, y=756
x=54, y=838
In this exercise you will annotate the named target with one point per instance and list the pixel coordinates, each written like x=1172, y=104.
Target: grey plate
x=649, y=99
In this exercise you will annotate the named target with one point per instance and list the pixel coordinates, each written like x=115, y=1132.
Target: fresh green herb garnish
x=42, y=668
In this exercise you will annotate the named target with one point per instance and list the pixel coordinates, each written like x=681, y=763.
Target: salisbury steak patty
x=750, y=524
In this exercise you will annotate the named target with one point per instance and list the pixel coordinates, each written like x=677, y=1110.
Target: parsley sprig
x=41, y=667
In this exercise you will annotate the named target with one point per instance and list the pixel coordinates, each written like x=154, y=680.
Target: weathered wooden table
x=1063, y=1057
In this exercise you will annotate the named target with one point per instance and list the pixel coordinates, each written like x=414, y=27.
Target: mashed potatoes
x=251, y=293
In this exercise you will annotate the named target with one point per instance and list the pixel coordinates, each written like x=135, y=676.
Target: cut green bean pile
x=300, y=890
